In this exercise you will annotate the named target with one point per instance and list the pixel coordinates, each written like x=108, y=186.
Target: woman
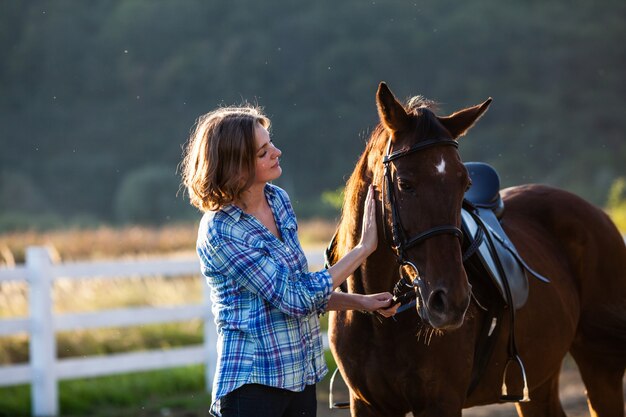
x=265, y=301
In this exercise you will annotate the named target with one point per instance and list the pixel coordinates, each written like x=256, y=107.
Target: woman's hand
x=381, y=303
x=369, y=233
x=368, y=243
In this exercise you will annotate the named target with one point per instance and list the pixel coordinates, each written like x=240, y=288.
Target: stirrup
x=331, y=402
x=515, y=398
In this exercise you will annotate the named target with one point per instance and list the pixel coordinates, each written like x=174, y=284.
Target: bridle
x=400, y=243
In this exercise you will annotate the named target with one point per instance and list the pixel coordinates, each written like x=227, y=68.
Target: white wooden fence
x=45, y=370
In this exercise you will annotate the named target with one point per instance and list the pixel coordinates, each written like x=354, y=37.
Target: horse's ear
x=391, y=112
x=460, y=122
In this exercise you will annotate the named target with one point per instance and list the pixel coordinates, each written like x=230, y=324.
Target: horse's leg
x=544, y=401
x=600, y=353
x=602, y=375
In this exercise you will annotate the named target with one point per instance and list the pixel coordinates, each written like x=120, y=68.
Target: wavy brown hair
x=219, y=158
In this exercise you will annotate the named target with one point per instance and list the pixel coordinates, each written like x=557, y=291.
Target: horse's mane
x=349, y=230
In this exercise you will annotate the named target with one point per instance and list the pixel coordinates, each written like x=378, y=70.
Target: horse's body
x=404, y=365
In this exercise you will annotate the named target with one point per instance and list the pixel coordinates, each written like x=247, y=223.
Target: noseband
x=400, y=243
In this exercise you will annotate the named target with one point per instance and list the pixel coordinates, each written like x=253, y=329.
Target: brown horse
x=422, y=363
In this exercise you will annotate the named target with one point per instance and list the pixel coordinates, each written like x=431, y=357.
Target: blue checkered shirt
x=264, y=299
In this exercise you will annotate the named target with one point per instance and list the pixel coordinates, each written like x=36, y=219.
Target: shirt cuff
x=327, y=283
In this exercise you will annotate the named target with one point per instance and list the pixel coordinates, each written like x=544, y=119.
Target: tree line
x=99, y=97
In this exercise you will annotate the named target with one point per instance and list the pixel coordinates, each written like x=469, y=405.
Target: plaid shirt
x=264, y=299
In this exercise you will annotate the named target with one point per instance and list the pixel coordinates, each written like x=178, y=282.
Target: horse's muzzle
x=437, y=308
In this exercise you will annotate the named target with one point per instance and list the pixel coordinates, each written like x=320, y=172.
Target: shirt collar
x=235, y=212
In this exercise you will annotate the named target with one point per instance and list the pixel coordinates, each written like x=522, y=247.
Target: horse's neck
x=376, y=274
x=380, y=273
x=372, y=274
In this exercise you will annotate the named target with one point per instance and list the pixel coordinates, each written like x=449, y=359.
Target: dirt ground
x=572, y=398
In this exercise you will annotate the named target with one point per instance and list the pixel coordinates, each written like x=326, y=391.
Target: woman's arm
x=380, y=303
x=368, y=243
x=254, y=269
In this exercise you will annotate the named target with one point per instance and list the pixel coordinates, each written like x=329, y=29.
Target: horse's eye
x=405, y=185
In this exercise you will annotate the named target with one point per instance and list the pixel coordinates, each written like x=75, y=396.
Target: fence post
x=210, y=337
x=44, y=391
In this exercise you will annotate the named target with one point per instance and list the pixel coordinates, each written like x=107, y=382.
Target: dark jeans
x=254, y=400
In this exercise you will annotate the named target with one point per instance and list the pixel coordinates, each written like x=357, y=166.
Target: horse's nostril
x=437, y=301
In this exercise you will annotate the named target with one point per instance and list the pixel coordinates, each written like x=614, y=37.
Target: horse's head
x=422, y=181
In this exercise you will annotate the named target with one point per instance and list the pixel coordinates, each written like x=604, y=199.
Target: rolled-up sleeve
x=293, y=293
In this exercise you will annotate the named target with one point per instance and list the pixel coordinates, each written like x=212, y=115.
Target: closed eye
x=264, y=149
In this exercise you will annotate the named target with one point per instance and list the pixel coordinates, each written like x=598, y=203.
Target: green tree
x=93, y=91
x=616, y=204
x=617, y=194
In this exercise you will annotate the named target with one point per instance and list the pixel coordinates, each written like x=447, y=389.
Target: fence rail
x=45, y=370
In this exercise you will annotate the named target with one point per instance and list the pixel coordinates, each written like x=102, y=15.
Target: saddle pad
x=503, y=250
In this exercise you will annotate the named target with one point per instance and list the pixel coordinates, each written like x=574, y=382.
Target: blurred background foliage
x=99, y=97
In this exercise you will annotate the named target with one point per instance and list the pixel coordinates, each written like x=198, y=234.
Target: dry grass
x=75, y=296
x=316, y=232
x=101, y=243
x=108, y=242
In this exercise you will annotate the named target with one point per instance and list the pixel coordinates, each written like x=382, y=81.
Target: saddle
x=491, y=253
x=491, y=249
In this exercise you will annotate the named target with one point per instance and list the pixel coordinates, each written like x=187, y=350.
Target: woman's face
x=267, y=165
